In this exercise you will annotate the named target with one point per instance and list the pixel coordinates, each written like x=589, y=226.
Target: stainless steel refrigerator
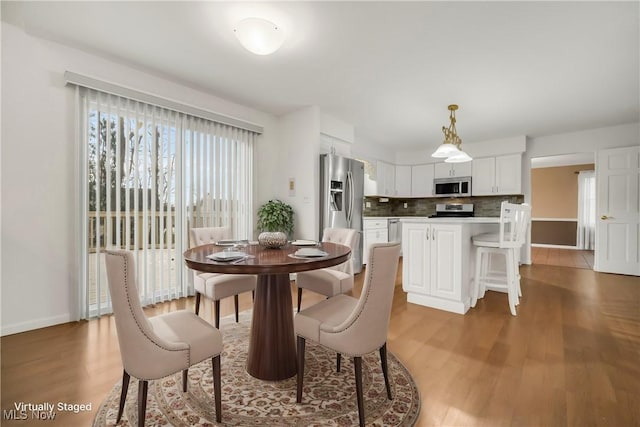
x=342, y=197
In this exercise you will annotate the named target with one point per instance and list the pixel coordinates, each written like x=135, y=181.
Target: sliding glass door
x=148, y=174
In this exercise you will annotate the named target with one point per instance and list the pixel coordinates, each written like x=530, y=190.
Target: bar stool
x=514, y=220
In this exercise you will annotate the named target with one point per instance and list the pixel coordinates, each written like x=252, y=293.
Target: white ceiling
x=391, y=69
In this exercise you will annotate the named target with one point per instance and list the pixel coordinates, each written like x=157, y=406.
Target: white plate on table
x=227, y=256
x=304, y=243
x=310, y=253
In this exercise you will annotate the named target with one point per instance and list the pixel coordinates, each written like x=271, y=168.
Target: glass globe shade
x=460, y=157
x=259, y=36
x=445, y=150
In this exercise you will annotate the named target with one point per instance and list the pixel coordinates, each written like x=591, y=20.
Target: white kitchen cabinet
x=422, y=180
x=448, y=170
x=374, y=231
x=438, y=260
x=403, y=181
x=497, y=175
x=444, y=259
x=384, y=183
x=432, y=257
x=388, y=178
x=415, y=248
x=483, y=176
x=509, y=174
x=370, y=185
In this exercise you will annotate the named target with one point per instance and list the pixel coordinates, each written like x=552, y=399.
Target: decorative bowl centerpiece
x=272, y=239
x=275, y=221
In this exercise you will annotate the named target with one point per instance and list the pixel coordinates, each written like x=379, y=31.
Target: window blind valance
x=76, y=79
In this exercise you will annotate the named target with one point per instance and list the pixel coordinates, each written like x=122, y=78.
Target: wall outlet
x=367, y=204
x=406, y=205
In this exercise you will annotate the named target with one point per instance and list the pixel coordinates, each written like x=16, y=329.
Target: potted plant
x=275, y=222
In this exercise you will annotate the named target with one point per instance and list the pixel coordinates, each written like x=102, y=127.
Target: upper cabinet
x=403, y=181
x=491, y=176
x=448, y=170
x=422, y=180
x=497, y=175
x=386, y=179
x=384, y=183
x=400, y=181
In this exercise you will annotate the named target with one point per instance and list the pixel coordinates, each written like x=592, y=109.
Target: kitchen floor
x=562, y=257
x=568, y=359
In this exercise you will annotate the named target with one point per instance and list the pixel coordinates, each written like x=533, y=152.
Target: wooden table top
x=265, y=261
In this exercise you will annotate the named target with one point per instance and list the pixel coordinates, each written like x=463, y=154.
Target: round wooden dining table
x=272, y=352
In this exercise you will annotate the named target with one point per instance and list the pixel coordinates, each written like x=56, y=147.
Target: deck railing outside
x=152, y=233
x=127, y=231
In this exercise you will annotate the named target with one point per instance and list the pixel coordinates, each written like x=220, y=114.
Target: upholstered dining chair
x=216, y=286
x=332, y=280
x=514, y=221
x=354, y=326
x=152, y=348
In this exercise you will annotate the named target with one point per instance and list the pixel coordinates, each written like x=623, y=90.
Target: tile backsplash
x=483, y=206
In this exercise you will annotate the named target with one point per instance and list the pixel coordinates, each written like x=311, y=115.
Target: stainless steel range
x=460, y=210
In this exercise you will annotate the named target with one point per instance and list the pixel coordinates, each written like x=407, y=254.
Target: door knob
x=604, y=217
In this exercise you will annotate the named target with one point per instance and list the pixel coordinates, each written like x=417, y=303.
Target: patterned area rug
x=328, y=398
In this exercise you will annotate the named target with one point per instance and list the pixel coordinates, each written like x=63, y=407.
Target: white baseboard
x=16, y=328
x=439, y=303
x=542, y=245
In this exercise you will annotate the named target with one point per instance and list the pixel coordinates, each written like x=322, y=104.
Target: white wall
x=39, y=284
x=304, y=134
x=365, y=150
x=336, y=128
x=299, y=144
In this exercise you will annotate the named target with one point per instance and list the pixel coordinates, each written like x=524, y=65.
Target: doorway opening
x=563, y=216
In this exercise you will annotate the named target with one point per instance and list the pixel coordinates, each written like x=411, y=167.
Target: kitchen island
x=439, y=259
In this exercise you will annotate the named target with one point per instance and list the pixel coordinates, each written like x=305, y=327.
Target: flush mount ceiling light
x=450, y=148
x=259, y=36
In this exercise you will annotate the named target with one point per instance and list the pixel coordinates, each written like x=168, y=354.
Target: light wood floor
x=562, y=257
x=570, y=357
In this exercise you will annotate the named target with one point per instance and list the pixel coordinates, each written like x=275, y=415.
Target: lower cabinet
x=432, y=266
x=375, y=231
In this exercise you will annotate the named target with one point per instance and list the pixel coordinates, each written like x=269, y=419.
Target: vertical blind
x=147, y=175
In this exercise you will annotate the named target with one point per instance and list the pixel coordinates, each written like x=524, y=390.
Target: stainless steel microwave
x=452, y=187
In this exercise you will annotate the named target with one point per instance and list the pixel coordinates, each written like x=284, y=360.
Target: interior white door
x=617, y=200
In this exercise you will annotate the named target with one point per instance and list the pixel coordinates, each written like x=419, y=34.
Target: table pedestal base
x=272, y=351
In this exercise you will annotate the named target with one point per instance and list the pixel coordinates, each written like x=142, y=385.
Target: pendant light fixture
x=450, y=148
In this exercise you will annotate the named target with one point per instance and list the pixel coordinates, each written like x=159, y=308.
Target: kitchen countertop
x=381, y=218
x=454, y=220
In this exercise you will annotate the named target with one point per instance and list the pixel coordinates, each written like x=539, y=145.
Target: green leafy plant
x=276, y=215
